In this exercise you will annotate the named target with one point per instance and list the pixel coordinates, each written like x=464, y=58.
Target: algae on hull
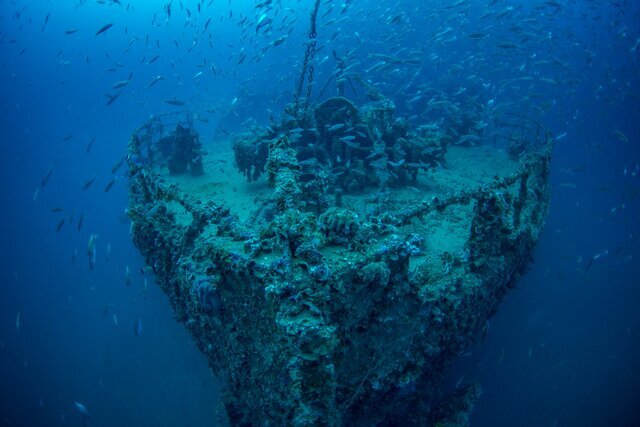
x=348, y=288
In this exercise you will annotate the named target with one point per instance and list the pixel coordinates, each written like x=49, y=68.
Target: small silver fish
x=91, y=250
x=137, y=326
x=82, y=409
x=18, y=320
x=155, y=80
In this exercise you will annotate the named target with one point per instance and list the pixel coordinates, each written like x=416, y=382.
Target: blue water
x=563, y=350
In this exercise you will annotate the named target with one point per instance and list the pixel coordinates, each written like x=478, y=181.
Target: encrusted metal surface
x=330, y=289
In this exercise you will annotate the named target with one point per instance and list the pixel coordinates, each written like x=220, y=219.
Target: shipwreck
x=332, y=264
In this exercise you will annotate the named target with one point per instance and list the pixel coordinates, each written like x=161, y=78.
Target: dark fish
x=507, y=45
x=90, y=144
x=56, y=210
x=176, y=102
x=80, y=221
x=117, y=165
x=589, y=263
x=60, y=225
x=109, y=185
x=71, y=31
x=46, y=177
x=123, y=83
x=46, y=20
x=67, y=137
x=89, y=183
x=112, y=98
x=103, y=29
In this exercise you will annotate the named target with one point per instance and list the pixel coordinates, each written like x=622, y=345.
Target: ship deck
x=464, y=169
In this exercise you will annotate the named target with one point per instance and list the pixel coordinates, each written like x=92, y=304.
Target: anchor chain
x=307, y=65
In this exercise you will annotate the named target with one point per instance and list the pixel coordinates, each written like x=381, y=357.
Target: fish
x=277, y=42
x=60, y=225
x=103, y=29
x=620, y=135
x=477, y=35
x=263, y=21
x=335, y=127
x=80, y=221
x=46, y=20
x=501, y=358
x=127, y=276
x=122, y=83
x=109, y=185
x=473, y=139
x=144, y=292
x=112, y=98
x=70, y=31
x=89, y=182
x=19, y=320
x=568, y=185
x=175, y=102
x=596, y=257
x=507, y=45
x=137, y=326
x=155, y=80
x=90, y=144
x=82, y=409
x=45, y=178
x=117, y=165
x=397, y=164
x=108, y=308
x=91, y=250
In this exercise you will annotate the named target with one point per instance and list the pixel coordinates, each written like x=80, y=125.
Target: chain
x=307, y=64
